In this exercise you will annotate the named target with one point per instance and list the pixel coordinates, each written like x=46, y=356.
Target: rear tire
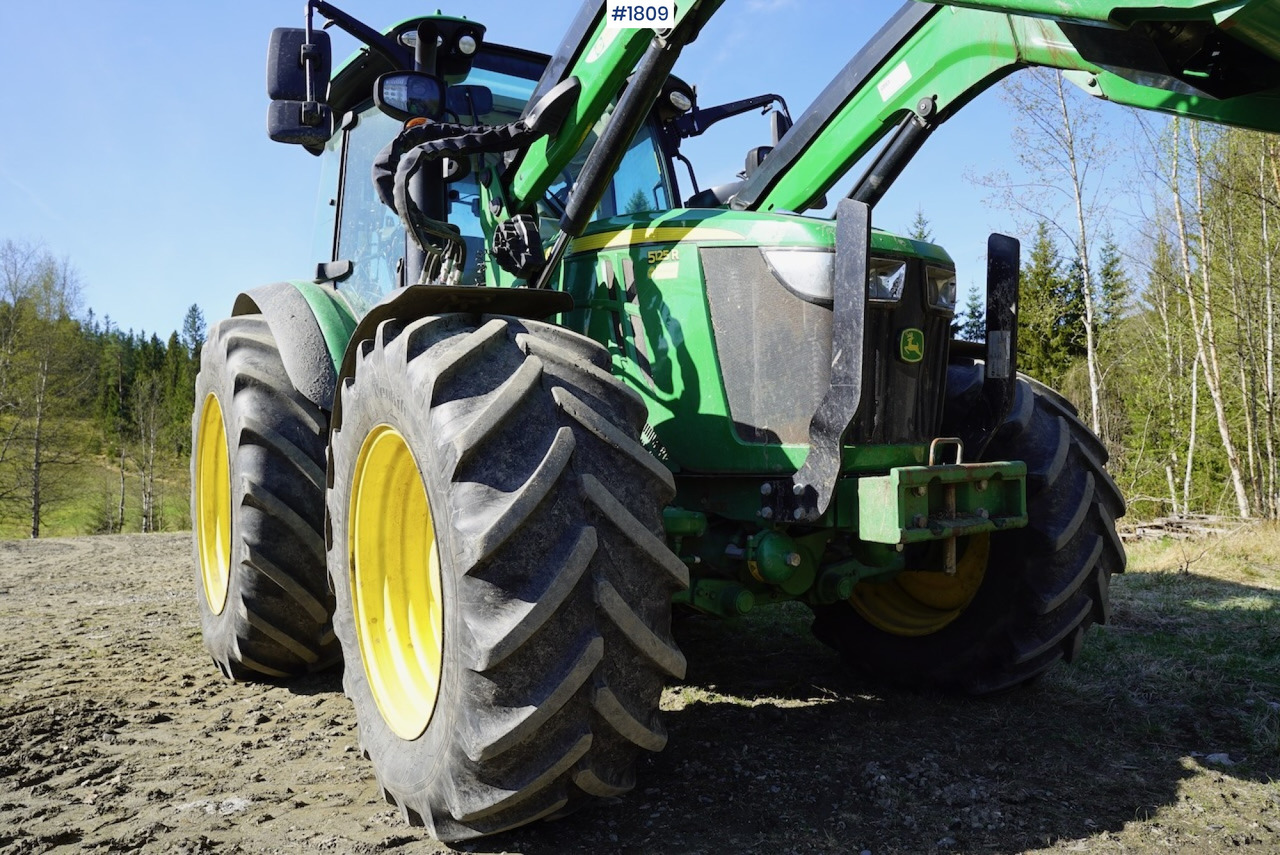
x=507, y=664
x=257, y=509
x=1042, y=586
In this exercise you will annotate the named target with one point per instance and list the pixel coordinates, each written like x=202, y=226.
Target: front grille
x=775, y=356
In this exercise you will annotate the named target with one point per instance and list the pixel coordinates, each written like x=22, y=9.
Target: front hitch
x=942, y=501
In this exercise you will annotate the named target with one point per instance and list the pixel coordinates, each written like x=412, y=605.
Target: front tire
x=503, y=591
x=1021, y=600
x=257, y=508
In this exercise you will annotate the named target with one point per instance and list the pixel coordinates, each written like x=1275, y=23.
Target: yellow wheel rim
x=395, y=583
x=920, y=603
x=213, y=505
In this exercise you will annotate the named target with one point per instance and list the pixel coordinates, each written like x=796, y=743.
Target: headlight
x=887, y=280
x=807, y=273
x=942, y=288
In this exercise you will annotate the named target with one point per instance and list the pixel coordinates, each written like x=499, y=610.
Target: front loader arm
x=1208, y=60
x=601, y=58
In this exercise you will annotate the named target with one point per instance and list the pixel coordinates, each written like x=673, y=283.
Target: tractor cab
x=363, y=248
x=360, y=242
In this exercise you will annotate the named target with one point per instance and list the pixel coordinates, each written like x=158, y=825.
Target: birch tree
x=47, y=379
x=1061, y=145
x=1199, y=297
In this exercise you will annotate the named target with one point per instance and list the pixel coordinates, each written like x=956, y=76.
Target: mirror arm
x=399, y=56
x=697, y=121
x=308, y=57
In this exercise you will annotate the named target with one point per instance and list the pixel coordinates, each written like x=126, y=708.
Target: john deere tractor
x=543, y=388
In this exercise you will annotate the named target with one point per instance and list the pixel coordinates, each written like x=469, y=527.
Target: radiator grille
x=775, y=355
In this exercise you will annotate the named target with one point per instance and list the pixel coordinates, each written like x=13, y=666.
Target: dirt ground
x=118, y=735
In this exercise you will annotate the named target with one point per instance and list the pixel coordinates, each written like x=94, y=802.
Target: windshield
x=371, y=235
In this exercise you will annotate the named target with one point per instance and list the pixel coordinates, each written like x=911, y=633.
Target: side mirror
x=287, y=66
x=779, y=124
x=299, y=114
x=473, y=101
x=299, y=122
x=410, y=95
x=755, y=157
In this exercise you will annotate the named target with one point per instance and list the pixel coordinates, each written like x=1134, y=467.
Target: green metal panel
x=1257, y=112
x=1101, y=11
x=1256, y=16
x=640, y=288
x=336, y=320
x=714, y=226
x=1256, y=24
x=949, y=54
x=601, y=71
x=963, y=48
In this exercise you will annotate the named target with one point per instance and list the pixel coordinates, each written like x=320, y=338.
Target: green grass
x=86, y=496
x=1195, y=640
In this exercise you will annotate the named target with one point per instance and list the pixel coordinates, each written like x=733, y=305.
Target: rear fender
x=311, y=326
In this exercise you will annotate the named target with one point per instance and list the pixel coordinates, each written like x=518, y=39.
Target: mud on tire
x=275, y=619
x=1043, y=586
x=554, y=584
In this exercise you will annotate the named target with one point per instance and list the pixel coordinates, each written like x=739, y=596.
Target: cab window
x=371, y=236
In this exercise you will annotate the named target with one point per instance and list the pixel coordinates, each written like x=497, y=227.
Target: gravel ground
x=118, y=735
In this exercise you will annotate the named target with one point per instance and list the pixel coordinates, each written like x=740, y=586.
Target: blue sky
x=134, y=139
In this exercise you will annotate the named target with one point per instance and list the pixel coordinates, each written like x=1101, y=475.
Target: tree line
x=1167, y=342
x=81, y=397
x=1165, y=339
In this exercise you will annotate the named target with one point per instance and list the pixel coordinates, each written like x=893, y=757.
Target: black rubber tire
x=277, y=617
x=555, y=580
x=1044, y=585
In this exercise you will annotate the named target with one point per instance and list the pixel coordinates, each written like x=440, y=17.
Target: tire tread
x=277, y=619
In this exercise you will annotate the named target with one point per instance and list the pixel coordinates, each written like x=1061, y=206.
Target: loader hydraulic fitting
x=835, y=585
x=776, y=559
x=677, y=522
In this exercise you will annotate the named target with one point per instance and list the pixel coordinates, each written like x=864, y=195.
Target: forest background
x=1150, y=302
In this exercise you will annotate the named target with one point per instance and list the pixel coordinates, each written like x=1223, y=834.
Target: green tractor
x=540, y=391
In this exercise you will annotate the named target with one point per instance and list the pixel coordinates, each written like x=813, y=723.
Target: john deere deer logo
x=911, y=345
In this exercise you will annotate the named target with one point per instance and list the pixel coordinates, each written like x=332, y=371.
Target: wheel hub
x=213, y=505
x=918, y=602
x=395, y=582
